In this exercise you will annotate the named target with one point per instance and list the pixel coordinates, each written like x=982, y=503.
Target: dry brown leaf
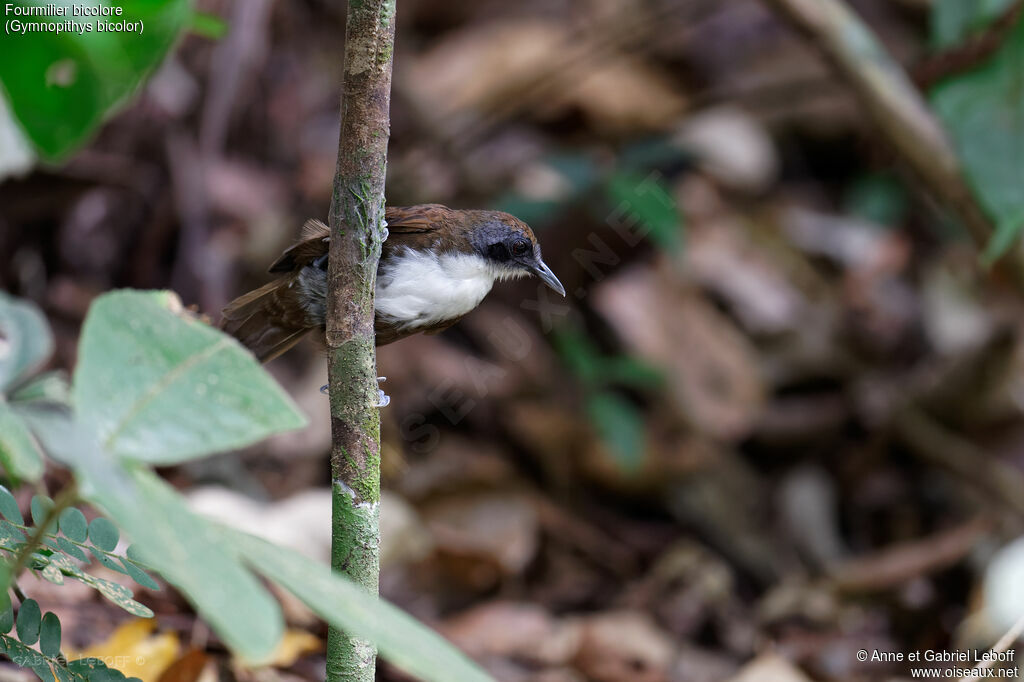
x=498, y=528
x=624, y=645
x=515, y=630
x=711, y=368
x=732, y=147
x=188, y=668
x=483, y=68
x=721, y=257
x=455, y=463
x=567, y=445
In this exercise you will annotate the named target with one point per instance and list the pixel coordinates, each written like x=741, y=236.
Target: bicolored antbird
x=436, y=265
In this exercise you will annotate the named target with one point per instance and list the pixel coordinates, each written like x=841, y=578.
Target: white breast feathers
x=419, y=288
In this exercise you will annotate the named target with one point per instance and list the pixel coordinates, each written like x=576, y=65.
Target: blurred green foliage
x=618, y=421
x=983, y=110
x=61, y=85
x=643, y=203
x=879, y=198
x=953, y=21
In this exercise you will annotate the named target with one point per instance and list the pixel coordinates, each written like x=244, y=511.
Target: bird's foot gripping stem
x=383, y=399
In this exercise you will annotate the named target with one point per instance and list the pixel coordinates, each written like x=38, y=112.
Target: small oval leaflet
x=103, y=534
x=72, y=549
x=134, y=554
x=10, y=535
x=74, y=525
x=66, y=566
x=7, y=618
x=52, y=574
x=106, y=560
x=9, y=507
x=139, y=576
x=49, y=635
x=28, y=622
x=40, y=507
x=122, y=596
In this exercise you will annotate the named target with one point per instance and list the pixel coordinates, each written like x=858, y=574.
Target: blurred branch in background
x=895, y=105
x=975, y=50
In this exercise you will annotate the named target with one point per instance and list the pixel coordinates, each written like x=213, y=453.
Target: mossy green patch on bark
x=354, y=550
x=355, y=544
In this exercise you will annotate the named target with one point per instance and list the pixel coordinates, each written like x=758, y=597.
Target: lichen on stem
x=356, y=215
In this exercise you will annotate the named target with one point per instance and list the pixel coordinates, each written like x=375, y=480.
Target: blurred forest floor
x=778, y=419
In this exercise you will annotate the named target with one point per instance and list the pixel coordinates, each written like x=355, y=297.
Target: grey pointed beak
x=544, y=272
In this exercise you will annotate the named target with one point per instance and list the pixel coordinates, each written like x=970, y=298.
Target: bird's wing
x=420, y=219
x=426, y=226
x=312, y=245
x=411, y=226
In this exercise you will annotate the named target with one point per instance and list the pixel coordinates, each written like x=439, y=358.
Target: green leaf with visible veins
x=163, y=387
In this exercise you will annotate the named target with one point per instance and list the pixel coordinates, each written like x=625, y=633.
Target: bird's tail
x=264, y=320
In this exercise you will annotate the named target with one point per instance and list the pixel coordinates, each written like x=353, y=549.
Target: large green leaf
x=19, y=453
x=25, y=340
x=984, y=113
x=161, y=386
x=167, y=536
x=402, y=640
x=61, y=84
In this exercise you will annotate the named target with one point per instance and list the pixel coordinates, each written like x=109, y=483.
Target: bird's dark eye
x=520, y=247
